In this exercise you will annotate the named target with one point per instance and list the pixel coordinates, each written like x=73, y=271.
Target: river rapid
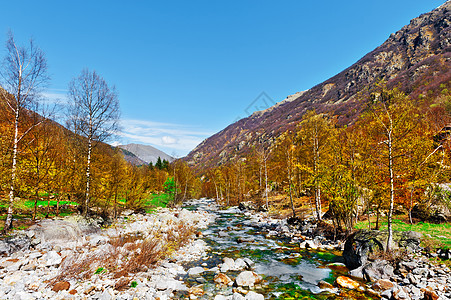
x=288, y=271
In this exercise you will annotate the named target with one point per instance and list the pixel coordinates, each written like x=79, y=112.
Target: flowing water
x=288, y=272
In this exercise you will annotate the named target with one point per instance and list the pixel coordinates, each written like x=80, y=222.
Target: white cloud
x=168, y=140
x=55, y=96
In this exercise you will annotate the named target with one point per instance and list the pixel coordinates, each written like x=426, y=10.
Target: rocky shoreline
x=413, y=276
x=27, y=273
x=34, y=258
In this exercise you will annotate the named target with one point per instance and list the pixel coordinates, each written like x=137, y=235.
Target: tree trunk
x=289, y=182
x=392, y=192
x=266, y=186
x=115, y=203
x=411, y=204
x=9, y=216
x=48, y=204
x=58, y=198
x=318, y=202
x=88, y=178
x=36, y=197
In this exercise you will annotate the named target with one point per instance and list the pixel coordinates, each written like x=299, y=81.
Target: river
x=288, y=271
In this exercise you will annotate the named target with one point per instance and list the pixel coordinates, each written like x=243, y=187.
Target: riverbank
x=136, y=257
x=223, y=254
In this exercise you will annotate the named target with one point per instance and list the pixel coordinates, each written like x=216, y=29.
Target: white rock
x=254, y=296
x=240, y=264
x=228, y=264
x=13, y=278
x=237, y=296
x=247, y=278
x=107, y=294
x=221, y=297
x=195, y=271
x=51, y=258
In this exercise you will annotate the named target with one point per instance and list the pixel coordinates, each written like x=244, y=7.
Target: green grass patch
x=435, y=235
x=158, y=200
x=30, y=203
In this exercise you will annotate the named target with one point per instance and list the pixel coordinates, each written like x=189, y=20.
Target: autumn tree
x=285, y=155
x=313, y=136
x=94, y=111
x=23, y=75
x=396, y=135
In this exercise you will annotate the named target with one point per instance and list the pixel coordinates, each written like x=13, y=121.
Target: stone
x=12, y=244
x=51, y=258
x=228, y=264
x=378, y=269
x=254, y=296
x=107, y=294
x=400, y=294
x=170, y=284
x=383, y=285
x=346, y=282
x=250, y=264
x=61, y=286
x=196, y=290
x=240, y=264
x=429, y=294
x=309, y=244
x=363, y=242
x=222, y=279
x=5, y=249
x=248, y=205
x=195, y=271
x=247, y=278
x=237, y=296
x=325, y=285
x=13, y=278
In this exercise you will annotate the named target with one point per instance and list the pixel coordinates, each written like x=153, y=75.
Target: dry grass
x=126, y=254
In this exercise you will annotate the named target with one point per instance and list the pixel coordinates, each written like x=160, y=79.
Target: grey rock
x=5, y=249
x=363, y=242
x=379, y=269
x=250, y=264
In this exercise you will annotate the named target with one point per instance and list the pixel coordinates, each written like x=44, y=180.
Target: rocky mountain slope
x=417, y=58
x=143, y=154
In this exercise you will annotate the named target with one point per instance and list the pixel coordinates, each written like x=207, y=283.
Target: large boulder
x=62, y=231
x=374, y=270
x=362, y=243
x=248, y=205
x=19, y=242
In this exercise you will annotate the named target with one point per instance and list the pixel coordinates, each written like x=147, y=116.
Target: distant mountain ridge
x=417, y=59
x=144, y=154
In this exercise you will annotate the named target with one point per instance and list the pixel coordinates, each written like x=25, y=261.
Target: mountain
x=143, y=154
x=417, y=59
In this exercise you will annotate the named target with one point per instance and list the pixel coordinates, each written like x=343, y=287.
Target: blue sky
x=185, y=70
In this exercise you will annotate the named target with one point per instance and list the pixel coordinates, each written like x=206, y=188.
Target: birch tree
x=94, y=112
x=23, y=75
x=397, y=140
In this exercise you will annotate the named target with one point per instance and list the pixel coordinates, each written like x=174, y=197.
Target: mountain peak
x=417, y=59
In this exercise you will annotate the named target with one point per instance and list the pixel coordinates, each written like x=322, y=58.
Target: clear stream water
x=288, y=272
